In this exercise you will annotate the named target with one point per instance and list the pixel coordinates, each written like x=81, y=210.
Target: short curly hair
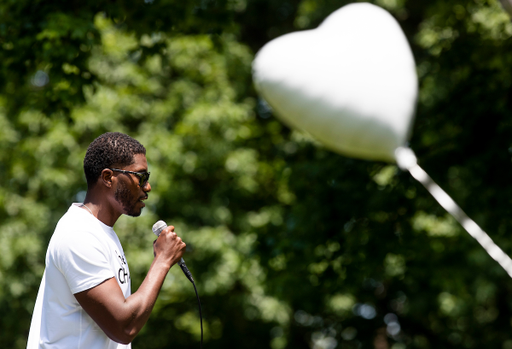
x=109, y=149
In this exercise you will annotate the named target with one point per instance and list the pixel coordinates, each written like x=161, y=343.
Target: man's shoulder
x=72, y=220
x=75, y=230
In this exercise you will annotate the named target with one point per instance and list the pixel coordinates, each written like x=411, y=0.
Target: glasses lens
x=144, y=177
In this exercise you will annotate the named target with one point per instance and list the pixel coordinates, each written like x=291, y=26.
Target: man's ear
x=106, y=177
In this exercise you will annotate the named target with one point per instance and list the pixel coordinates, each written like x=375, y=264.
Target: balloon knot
x=405, y=158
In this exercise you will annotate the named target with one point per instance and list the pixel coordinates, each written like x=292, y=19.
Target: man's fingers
x=169, y=244
x=170, y=235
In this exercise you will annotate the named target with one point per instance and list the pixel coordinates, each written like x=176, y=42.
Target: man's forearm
x=121, y=319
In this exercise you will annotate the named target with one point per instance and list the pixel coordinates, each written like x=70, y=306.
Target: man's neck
x=101, y=209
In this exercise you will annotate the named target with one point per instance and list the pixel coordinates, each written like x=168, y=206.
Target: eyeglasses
x=143, y=176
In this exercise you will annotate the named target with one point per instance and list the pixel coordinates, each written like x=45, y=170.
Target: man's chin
x=134, y=212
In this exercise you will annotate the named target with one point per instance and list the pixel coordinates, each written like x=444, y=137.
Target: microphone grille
x=158, y=227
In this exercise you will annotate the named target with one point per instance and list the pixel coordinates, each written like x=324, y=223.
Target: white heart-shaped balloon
x=351, y=82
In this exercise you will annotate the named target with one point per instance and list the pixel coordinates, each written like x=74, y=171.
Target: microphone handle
x=187, y=272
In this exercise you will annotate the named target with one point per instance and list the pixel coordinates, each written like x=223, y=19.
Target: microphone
x=157, y=229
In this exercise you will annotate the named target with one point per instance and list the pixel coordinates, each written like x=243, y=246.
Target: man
x=85, y=300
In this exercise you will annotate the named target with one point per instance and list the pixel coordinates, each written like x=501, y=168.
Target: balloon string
x=407, y=161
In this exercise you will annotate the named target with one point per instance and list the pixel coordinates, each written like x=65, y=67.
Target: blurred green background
x=291, y=245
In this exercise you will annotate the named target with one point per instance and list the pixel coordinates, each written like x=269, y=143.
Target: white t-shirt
x=83, y=252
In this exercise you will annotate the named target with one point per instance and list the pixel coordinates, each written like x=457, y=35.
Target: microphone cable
x=188, y=274
x=200, y=313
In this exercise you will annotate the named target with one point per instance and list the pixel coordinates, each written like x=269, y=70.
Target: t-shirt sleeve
x=83, y=260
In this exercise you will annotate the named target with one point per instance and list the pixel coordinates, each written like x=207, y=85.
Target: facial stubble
x=125, y=197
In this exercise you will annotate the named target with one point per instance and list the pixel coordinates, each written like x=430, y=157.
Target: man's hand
x=169, y=248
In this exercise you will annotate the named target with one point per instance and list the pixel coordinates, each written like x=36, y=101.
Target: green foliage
x=292, y=246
